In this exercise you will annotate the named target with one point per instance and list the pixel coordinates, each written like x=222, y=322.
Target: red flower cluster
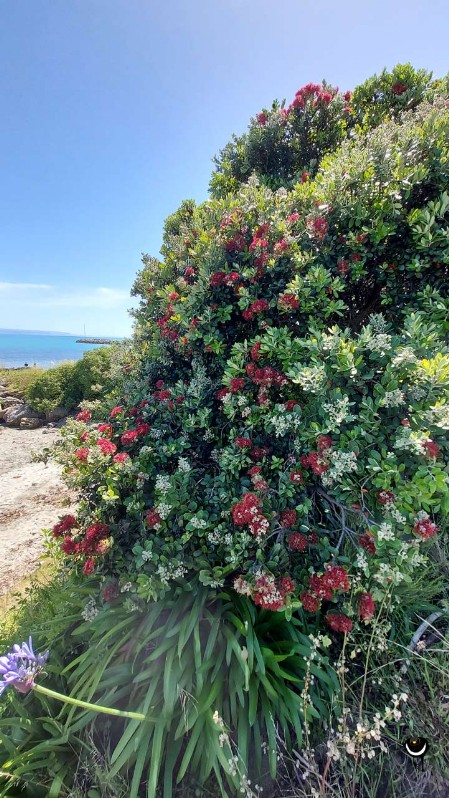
x=431, y=448
x=247, y=511
x=255, y=351
x=296, y=477
x=129, y=437
x=426, y=528
x=336, y=578
x=222, y=393
x=322, y=586
x=298, y=542
x=64, y=525
x=261, y=118
x=153, y=518
x=258, y=453
x=385, y=496
x=95, y=533
x=323, y=443
x=217, y=279
x=366, y=541
x=317, y=228
x=243, y=443
x=237, y=384
x=143, y=428
x=366, y=606
x=343, y=266
x=288, y=301
x=83, y=415
x=398, y=88
x=106, y=446
x=339, y=622
x=105, y=429
x=116, y=411
x=120, y=458
x=271, y=596
x=259, y=306
x=82, y=454
x=288, y=518
x=268, y=376
x=290, y=404
x=235, y=244
x=316, y=461
x=111, y=591
x=293, y=217
x=162, y=396
x=310, y=602
x=280, y=247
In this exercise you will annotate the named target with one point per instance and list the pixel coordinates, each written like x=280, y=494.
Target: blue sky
x=111, y=111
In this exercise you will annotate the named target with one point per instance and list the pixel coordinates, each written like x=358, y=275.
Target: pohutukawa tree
x=281, y=435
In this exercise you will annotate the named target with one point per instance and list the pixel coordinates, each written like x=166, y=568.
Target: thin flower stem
x=95, y=707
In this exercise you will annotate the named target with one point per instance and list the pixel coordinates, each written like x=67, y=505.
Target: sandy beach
x=32, y=497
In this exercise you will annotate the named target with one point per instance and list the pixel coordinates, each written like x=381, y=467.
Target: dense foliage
x=277, y=444
x=70, y=383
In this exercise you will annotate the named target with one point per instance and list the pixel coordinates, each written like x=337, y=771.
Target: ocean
x=18, y=347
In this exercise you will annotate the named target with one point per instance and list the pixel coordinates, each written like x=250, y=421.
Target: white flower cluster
x=310, y=378
x=90, y=611
x=155, y=433
x=286, y=422
x=385, y=532
x=379, y=343
x=227, y=398
x=126, y=587
x=361, y=742
x=163, y=510
x=208, y=435
x=377, y=322
x=404, y=356
x=215, y=455
x=438, y=415
x=242, y=401
x=416, y=393
x=393, y=398
x=198, y=523
x=338, y=411
x=147, y=449
x=163, y=483
x=398, y=517
x=147, y=556
x=246, y=412
x=341, y=463
x=388, y=576
x=184, y=465
x=410, y=441
x=330, y=343
x=167, y=572
x=361, y=562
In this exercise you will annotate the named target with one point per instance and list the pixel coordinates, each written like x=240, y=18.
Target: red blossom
x=339, y=623
x=64, y=525
x=297, y=542
x=243, y=443
x=106, y=446
x=293, y=217
x=105, y=429
x=82, y=454
x=323, y=443
x=366, y=541
x=160, y=384
x=222, y=393
x=425, y=528
x=262, y=118
x=254, y=470
x=120, y=458
x=246, y=509
x=111, y=591
x=288, y=301
x=385, y=496
x=143, y=428
x=317, y=227
x=290, y=404
x=319, y=587
x=336, y=578
x=288, y=518
x=258, y=453
x=89, y=566
x=216, y=279
x=296, y=477
x=310, y=602
x=287, y=585
x=431, y=448
x=83, y=415
x=152, y=518
x=116, y=411
x=255, y=351
x=237, y=384
x=366, y=606
x=398, y=88
x=128, y=438
x=68, y=546
x=343, y=267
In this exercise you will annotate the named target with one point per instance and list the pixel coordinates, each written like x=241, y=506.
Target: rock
x=14, y=415
x=9, y=401
x=56, y=414
x=30, y=423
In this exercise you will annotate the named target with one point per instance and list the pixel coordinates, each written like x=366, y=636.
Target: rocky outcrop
x=30, y=423
x=14, y=415
x=57, y=414
x=9, y=401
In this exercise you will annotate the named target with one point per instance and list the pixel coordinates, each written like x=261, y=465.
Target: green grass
x=19, y=380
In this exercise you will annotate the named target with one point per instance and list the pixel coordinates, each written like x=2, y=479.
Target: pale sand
x=32, y=497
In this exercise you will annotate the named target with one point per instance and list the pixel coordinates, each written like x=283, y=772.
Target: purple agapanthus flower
x=19, y=667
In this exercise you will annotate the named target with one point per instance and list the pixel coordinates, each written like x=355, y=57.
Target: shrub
x=70, y=383
x=50, y=389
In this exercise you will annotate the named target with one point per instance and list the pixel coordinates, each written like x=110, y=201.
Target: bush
x=70, y=383
x=281, y=434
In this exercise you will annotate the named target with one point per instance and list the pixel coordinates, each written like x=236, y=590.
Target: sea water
x=18, y=347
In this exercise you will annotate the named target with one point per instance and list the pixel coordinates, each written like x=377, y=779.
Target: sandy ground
x=32, y=497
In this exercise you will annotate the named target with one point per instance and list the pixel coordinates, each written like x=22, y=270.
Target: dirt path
x=32, y=497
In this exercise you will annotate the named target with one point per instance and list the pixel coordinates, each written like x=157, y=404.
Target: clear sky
x=111, y=111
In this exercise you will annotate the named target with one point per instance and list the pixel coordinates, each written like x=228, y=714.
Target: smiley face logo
x=416, y=746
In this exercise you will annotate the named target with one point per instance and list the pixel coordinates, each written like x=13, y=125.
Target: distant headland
x=97, y=340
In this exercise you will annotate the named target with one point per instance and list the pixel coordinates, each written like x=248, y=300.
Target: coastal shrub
x=70, y=383
x=279, y=446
